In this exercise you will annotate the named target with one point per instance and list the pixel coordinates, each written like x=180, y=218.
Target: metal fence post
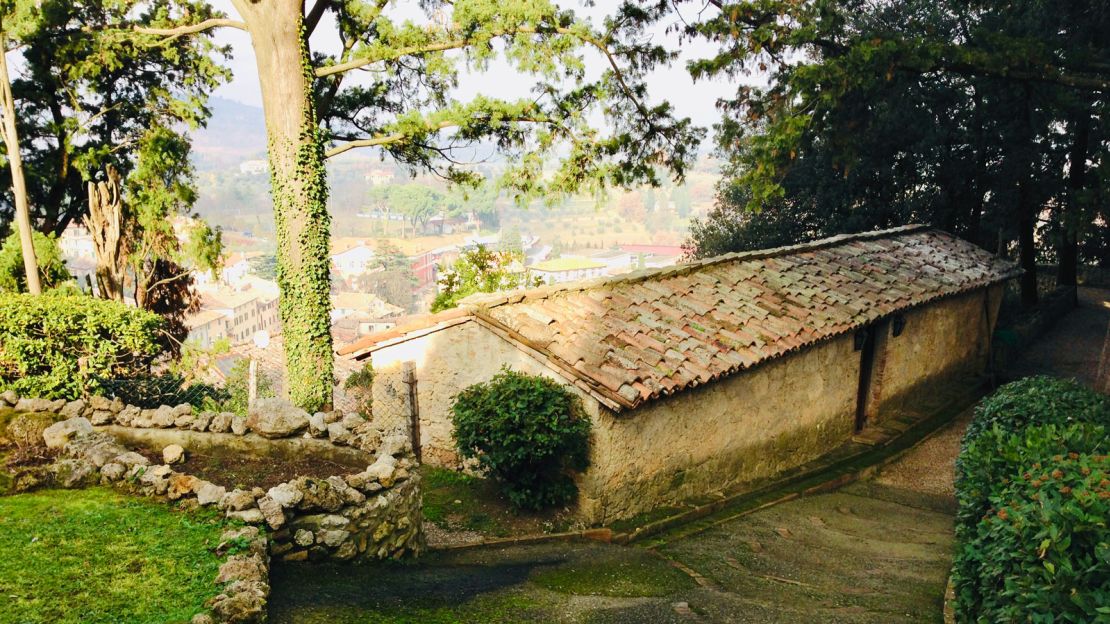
x=408, y=377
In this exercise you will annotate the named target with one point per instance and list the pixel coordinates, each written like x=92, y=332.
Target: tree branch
x=382, y=139
x=397, y=137
x=192, y=29
x=453, y=44
x=314, y=15
x=460, y=43
x=165, y=281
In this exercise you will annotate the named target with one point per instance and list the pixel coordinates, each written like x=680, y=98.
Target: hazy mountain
x=235, y=132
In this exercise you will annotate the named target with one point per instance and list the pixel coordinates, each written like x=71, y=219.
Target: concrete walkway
x=877, y=551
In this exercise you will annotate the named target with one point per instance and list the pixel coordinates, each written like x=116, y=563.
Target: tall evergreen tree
x=87, y=95
x=879, y=114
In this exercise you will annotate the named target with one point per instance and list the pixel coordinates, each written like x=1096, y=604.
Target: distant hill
x=235, y=132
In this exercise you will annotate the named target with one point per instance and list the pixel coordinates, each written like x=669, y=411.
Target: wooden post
x=408, y=376
x=252, y=383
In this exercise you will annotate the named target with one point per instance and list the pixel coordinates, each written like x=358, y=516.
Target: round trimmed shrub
x=1038, y=400
x=1041, y=552
x=528, y=433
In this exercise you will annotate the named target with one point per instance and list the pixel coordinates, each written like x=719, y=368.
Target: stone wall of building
x=722, y=435
x=941, y=342
x=445, y=362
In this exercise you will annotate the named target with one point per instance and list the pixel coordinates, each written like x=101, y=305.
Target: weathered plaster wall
x=740, y=429
x=448, y=361
x=941, y=341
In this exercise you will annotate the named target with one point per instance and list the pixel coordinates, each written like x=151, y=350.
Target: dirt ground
x=877, y=551
x=234, y=470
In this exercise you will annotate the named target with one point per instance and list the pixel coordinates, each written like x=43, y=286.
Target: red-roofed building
x=707, y=376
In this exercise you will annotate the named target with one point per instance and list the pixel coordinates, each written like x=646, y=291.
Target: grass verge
x=97, y=556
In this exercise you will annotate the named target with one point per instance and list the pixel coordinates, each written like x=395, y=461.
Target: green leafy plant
x=360, y=385
x=1038, y=400
x=237, y=389
x=989, y=461
x=528, y=433
x=52, y=267
x=1042, y=551
x=1031, y=527
x=60, y=346
x=481, y=270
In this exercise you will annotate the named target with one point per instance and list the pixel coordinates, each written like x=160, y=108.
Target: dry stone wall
x=372, y=514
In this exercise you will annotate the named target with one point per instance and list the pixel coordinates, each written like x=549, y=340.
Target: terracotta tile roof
x=648, y=334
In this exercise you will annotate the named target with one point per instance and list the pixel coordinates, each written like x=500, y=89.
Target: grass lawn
x=457, y=501
x=96, y=556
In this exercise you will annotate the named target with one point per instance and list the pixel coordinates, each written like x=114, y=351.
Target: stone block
x=60, y=433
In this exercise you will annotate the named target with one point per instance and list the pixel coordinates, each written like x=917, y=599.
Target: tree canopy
x=982, y=122
x=52, y=267
x=578, y=131
x=89, y=96
x=481, y=270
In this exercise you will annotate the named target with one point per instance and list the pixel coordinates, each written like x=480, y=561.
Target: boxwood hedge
x=528, y=433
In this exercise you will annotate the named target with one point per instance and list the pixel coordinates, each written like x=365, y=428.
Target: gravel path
x=1073, y=347
x=1070, y=349
x=930, y=467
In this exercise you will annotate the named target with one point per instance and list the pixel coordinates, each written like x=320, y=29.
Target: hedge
x=1032, y=541
x=1038, y=400
x=990, y=460
x=528, y=433
x=61, y=346
x=1042, y=551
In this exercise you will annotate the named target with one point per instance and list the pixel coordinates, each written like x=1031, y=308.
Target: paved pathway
x=877, y=551
x=1072, y=348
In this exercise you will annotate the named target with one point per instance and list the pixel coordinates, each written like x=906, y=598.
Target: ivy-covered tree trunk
x=299, y=187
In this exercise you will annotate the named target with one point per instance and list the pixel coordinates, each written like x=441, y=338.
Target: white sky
x=690, y=99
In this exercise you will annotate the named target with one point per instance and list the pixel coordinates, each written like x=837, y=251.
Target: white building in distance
x=254, y=167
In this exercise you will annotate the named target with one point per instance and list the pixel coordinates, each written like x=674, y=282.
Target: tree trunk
x=1027, y=211
x=1027, y=244
x=299, y=187
x=1068, y=255
x=106, y=227
x=19, y=185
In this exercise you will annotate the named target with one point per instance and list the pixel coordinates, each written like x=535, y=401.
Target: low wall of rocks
x=269, y=418
x=372, y=514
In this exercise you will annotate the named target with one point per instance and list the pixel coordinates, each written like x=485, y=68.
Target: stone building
x=707, y=376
